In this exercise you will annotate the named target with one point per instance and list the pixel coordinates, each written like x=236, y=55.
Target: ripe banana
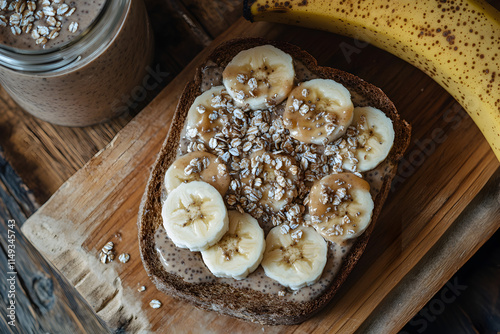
x=195, y=216
x=456, y=42
x=340, y=206
x=240, y=250
x=197, y=166
x=318, y=111
x=295, y=259
x=259, y=77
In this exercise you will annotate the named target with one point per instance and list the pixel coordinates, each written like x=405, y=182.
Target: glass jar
x=86, y=77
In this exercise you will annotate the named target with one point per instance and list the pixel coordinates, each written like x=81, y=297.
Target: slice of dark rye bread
x=245, y=303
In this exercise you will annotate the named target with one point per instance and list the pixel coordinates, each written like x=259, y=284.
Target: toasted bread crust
x=249, y=304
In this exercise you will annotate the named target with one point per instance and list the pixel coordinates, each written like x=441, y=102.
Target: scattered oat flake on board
x=155, y=303
x=109, y=245
x=124, y=257
x=141, y=288
x=106, y=257
x=103, y=257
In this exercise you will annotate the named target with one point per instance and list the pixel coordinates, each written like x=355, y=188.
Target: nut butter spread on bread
x=269, y=183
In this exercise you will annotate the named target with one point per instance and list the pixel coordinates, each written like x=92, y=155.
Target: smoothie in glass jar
x=72, y=62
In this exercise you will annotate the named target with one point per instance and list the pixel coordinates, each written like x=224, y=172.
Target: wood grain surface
x=43, y=298
x=99, y=203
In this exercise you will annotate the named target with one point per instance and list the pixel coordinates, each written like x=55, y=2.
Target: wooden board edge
x=435, y=269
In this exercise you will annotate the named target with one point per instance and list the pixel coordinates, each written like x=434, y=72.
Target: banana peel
x=457, y=43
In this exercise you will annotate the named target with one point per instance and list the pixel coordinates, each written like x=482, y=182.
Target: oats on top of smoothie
x=42, y=20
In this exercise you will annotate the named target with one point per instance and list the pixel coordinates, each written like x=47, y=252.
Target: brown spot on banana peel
x=455, y=42
x=274, y=6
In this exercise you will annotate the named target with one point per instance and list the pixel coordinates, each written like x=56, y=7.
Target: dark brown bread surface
x=246, y=303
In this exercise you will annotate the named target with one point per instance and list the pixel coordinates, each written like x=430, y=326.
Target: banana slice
x=340, y=206
x=318, y=111
x=259, y=77
x=374, y=139
x=207, y=113
x=273, y=181
x=295, y=259
x=195, y=216
x=240, y=250
x=198, y=166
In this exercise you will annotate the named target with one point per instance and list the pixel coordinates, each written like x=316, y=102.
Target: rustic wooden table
x=36, y=158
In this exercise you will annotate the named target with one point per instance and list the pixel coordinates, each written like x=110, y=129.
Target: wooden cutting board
x=438, y=214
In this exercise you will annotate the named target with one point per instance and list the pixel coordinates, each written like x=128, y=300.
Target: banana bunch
x=457, y=43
